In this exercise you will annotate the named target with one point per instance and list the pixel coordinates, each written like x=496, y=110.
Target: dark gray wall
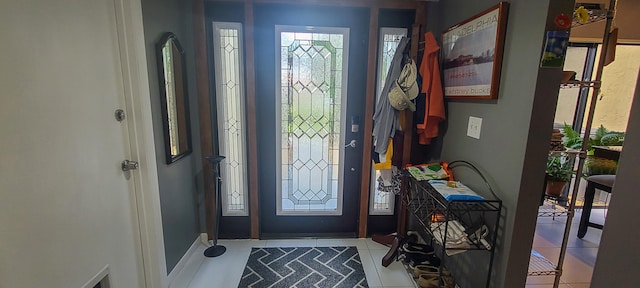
x=516, y=128
x=618, y=261
x=180, y=188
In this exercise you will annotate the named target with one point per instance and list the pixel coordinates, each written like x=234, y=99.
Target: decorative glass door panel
x=230, y=95
x=309, y=181
x=312, y=67
x=382, y=202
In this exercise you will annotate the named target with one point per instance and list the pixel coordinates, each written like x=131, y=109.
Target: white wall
x=618, y=257
x=67, y=210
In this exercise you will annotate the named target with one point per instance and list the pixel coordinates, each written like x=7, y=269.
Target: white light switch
x=473, y=130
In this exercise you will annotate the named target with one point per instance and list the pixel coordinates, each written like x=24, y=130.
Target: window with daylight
x=230, y=100
x=616, y=93
x=382, y=203
x=311, y=71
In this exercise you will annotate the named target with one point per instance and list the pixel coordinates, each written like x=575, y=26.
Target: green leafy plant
x=572, y=138
x=599, y=166
x=559, y=169
x=602, y=137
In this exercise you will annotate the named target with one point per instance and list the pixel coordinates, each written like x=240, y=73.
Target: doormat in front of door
x=303, y=267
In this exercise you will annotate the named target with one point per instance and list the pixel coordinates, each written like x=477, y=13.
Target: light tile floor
x=225, y=271
x=581, y=253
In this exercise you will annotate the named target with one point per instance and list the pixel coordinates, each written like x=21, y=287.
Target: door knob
x=352, y=144
x=129, y=165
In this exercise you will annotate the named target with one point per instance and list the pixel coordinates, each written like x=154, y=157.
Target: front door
x=310, y=79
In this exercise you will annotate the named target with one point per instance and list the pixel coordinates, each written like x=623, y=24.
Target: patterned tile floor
x=225, y=271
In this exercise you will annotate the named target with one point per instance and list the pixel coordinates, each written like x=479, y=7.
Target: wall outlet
x=475, y=124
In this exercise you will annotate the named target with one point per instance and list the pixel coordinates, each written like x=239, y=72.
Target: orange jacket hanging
x=432, y=87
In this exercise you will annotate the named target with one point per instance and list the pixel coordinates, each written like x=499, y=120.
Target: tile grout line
x=375, y=266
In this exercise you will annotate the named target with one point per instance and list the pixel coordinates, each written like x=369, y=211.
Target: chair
x=601, y=182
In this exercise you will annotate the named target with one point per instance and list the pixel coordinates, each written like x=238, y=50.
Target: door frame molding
x=250, y=62
x=365, y=183
x=152, y=267
x=204, y=112
x=204, y=95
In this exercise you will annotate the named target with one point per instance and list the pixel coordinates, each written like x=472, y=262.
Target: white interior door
x=66, y=207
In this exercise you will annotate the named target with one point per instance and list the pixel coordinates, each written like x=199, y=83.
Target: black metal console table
x=479, y=219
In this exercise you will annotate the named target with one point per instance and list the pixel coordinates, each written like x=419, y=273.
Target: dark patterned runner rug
x=303, y=267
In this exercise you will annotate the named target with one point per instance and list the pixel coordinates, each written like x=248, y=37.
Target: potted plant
x=598, y=166
x=559, y=171
x=602, y=137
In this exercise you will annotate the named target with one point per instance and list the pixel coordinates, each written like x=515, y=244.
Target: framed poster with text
x=472, y=55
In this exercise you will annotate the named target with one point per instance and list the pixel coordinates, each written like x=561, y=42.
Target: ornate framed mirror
x=173, y=97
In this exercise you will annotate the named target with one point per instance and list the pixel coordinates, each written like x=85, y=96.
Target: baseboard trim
x=102, y=277
x=183, y=261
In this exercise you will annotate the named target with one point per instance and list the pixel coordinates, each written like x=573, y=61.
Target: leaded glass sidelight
x=230, y=96
x=380, y=202
x=312, y=67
